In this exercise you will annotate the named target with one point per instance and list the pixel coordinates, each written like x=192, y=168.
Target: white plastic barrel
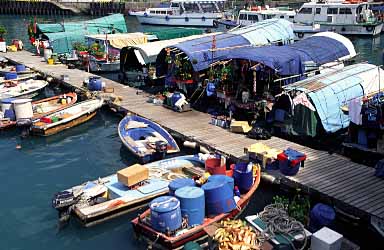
x=47, y=53
x=23, y=108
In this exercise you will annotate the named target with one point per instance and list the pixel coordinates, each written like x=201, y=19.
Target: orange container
x=213, y=166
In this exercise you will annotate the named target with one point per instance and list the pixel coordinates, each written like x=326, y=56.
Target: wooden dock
x=346, y=184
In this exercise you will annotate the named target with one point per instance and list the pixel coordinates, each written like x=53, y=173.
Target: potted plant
x=3, y=31
x=80, y=48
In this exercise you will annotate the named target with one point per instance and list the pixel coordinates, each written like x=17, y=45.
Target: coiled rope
x=278, y=221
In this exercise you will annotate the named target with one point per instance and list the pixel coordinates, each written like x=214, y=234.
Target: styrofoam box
x=326, y=239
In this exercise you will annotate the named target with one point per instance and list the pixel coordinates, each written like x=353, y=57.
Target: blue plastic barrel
x=20, y=68
x=179, y=183
x=7, y=108
x=321, y=215
x=165, y=213
x=223, y=178
x=243, y=178
x=192, y=204
x=10, y=76
x=95, y=84
x=218, y=198
x=175, y=97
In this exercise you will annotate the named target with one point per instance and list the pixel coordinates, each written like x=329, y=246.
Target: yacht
x=344, y=17
x=183, y=13
x=259, y=13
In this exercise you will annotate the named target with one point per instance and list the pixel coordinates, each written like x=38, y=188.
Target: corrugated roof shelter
x=329, y=91
x=261, y=33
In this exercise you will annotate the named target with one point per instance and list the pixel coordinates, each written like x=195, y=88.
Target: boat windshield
x=208, y=7
x=191, y=7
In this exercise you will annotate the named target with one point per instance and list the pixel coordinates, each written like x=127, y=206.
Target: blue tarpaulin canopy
x=261, y=33
x=378, y=7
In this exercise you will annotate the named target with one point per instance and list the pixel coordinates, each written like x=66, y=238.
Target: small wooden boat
x=10, y=69
x=27, y=89
x=45, y=107
x=66, y=118
x=146, y=139
x=142, y=225
x=120, y=199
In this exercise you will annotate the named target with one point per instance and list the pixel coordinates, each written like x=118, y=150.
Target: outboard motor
x=63, y=200
x=161, y=150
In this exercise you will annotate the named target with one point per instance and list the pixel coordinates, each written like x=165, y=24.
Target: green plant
x=79, y=46
x=298, y=208
x=282, y=200
x=3, y=31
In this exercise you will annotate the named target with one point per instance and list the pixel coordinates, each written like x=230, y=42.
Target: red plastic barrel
x=213, y=166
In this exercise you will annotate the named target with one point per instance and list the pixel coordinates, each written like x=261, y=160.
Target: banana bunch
x=236, y=235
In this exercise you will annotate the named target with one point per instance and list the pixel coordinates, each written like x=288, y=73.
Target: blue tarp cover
x=379, y=8
x=289, y=59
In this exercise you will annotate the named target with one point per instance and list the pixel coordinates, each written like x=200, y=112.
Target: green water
x=31, y=175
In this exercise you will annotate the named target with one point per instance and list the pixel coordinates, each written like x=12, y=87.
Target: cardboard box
x=132, y=175
x=262, y=153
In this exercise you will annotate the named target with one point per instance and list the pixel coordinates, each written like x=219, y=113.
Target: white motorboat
x=351, y=17
x=183, y=13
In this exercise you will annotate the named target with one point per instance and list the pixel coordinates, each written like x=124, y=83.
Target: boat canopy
x=143, y=54
x=118, y=41
x=261, y=33
x=62, y=36
x=94, y=26
x=289, y=60
x=329, y=91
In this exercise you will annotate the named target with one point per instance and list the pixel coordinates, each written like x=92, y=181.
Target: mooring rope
x=278, y=221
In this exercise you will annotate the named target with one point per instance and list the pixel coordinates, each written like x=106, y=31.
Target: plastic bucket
x=192, y=204
x=243, y=178
x=179, y=183
x=223, y=178
x=23, y=108
x=50, y=61
x=95, y=84
x=218, y=198
x=175, y=97
x=213, y=166
x=20, y=68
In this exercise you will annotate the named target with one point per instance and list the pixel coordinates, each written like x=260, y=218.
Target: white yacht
x=183, y=13
x=343, y=17
x=259, y=13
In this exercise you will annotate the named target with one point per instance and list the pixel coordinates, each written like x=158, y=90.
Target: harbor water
x=29, y=176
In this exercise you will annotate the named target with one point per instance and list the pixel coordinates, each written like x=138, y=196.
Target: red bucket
x=213, y=166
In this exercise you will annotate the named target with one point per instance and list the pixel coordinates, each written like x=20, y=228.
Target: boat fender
x=203, y=18
x=167, y=18
x=343, y=29
x=145, y=14
x=215, y=24
x=369, y=28
x=187, y=19
x=300, y=34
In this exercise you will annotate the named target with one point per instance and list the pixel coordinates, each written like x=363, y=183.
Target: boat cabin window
x=347, y=11
x=291, y=17
x=220, y=5
x=191, y=7
x=152, y=12
x=305, y=11
x=332, y=11
x=281, y=16
x=243, y=17
x=254, y=18
x=208, y=7
x=318, y=10
x=175, y=5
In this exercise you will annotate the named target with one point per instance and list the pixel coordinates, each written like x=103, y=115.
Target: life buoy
x=215, y=24
x=300, y=35
x=203, y=19
x=369, y=28
x=187, y=19
x=167, y=18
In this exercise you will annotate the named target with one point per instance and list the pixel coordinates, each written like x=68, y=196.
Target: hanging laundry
x=303, y=100
x=354, y=110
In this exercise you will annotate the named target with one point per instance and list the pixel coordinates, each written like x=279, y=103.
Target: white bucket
x=47, y=53
x=23, y=108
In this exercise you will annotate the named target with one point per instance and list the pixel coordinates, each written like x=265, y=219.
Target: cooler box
x=132, y=175
x=326, y=239
x=290, y=161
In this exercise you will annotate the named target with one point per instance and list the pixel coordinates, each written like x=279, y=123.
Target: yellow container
x=50, y=61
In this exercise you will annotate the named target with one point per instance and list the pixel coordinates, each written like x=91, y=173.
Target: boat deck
x=345, y=183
